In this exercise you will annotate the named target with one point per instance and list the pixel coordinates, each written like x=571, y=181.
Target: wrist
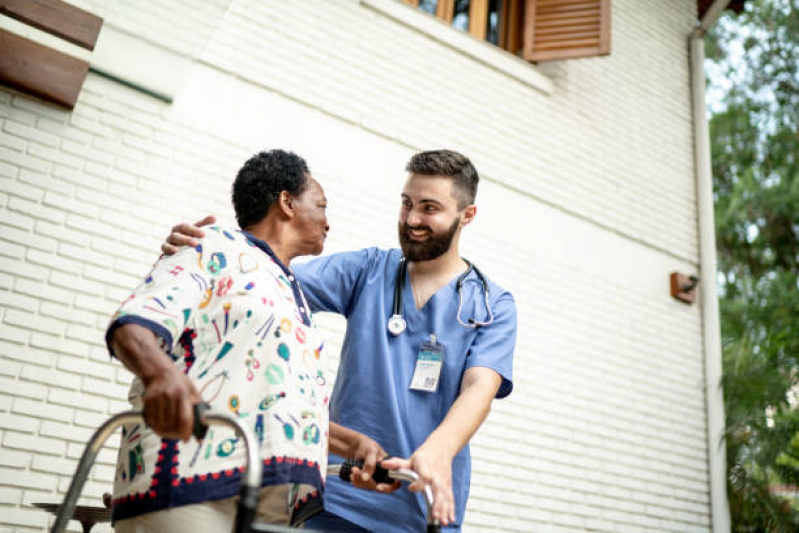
x=440, y=446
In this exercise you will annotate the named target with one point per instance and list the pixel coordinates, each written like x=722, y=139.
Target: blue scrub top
x=372, y=393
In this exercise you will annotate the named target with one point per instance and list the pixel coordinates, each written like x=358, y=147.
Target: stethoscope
x=397, y=324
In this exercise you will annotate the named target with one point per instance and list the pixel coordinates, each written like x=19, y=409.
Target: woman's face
x=310, y=219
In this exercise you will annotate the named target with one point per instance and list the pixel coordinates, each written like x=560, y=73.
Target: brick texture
x=587, y=202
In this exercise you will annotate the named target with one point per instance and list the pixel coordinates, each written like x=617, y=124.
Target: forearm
x=341, y=440
x=136, y=347
x=468, y=412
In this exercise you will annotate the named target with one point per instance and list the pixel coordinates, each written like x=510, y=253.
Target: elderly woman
x=227, y=323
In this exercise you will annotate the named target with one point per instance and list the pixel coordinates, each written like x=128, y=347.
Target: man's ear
x=468, y=214
x=285, y=204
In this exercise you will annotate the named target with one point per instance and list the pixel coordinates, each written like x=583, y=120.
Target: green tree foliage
x=753, y=61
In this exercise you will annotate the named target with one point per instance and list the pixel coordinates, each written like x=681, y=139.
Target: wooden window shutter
x=39, y=70
x=564, y=29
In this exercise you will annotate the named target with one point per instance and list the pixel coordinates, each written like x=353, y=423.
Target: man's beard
x=435, y=246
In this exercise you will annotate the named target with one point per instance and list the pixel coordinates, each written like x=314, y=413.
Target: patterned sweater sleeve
x=176, y=287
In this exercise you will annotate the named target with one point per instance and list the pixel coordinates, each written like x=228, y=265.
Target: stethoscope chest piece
x=396, y=325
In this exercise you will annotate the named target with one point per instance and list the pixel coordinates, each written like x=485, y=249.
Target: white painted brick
x=37, y=444
x=37, y=107
x=23, y=517
x=89, y=126
x=77, y=400
x=46, y=182
x=12, y=335
x=82, y=366
x=66, y=432
x=60, y=129
x=15, y=459
x=68, y=204
x=90, y=419
x=84, y=254
x=11, y=369
x=13, y=143
x=105, y=388
x=107, y=454
x=16, y=220
x=18, y=423
x=18, y=190
x=40, y=409
x=83, y=151
x=96, y=304
x=57, y=344
x=8, y=496
x=50, y=377
x=18, y=301
x=32, y=322
x=36, y=210
x=42, y=292
x=28, y=239
x=52, y=261
x=85, y=334
x=26, y=132
x=22, y=389
x=23, y=160
x=18, y=115
x=64, y=467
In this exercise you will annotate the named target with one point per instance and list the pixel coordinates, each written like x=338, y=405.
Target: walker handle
x=200, y=428
x=380, y=474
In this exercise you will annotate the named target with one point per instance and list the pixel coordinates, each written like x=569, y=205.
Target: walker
x=250, y=479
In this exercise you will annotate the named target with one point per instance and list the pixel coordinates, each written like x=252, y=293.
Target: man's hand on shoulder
x=185, y=234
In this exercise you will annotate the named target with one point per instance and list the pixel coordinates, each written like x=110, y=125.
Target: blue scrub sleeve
x=493, y=347
x=331, y=282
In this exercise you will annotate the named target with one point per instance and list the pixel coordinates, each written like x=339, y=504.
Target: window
x=537, y=30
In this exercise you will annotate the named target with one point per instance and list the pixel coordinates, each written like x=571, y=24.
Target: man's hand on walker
x=185, y=234
x=434, y=469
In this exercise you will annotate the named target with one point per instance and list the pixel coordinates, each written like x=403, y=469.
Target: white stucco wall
x=586, y=204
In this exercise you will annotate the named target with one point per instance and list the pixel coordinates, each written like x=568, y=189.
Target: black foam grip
x=199, y=430
x=433, y=528
x=380, y=474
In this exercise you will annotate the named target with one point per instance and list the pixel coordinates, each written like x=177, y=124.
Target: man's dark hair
x=261, y=180
x=450, y=164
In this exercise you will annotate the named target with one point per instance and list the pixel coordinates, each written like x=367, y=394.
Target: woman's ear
x=285, y=204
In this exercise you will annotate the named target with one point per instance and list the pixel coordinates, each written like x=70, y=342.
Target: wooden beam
x=445, y=10
x=604, y=28
x=57, y=18
x=414, y=3
x=478, y=18
x=41, y=71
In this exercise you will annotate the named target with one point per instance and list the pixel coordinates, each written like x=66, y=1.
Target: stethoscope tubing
x=397, y=324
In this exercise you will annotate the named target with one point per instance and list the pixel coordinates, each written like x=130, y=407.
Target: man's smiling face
x=429, y=217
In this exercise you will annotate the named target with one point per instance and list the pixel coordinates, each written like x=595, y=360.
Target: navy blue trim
x=155, y=327
x=295, y=285
x=171, y=492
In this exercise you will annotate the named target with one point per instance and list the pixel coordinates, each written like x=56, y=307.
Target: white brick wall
x=587, y=203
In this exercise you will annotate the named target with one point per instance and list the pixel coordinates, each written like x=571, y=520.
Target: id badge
x=429, y=362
